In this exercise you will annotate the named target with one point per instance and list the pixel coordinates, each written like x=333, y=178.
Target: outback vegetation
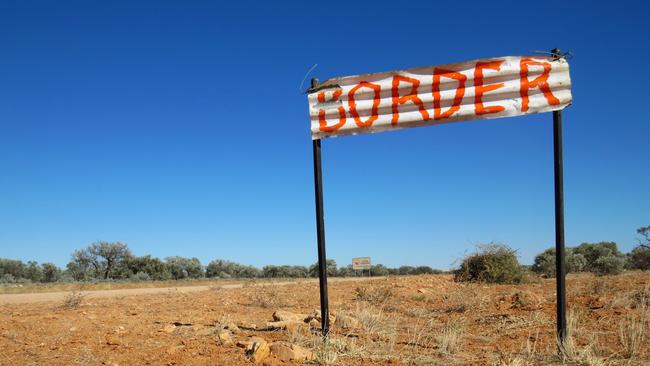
x=491, y=310
x=492, y=263
x=104, y=261
x=395, y=320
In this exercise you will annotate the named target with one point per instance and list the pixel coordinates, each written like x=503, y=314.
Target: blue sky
x=179, y=128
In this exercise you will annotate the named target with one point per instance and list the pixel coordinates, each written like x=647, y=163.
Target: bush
x=7, y=278
x=15, y=268
x=182, y=268
x=140, y=277
x=331, y=269
x=545, y=262
x=575, y=262
x=602, y=258
x=347, y=271
x=285, y=271
x=592, y=252
x=406, y=270
x=51, y=273
x=379, y=270
x=225, y=269
x=639, y=258
x=153, y=267
x=492, y=263
x=608, y=265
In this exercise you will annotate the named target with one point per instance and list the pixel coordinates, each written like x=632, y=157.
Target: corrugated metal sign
x=480, y=89
x=361, y=263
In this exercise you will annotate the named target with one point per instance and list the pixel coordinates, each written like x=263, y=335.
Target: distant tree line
x=104, y=261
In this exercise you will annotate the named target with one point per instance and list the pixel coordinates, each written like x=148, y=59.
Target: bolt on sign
x=361, y=263
x=481, y=89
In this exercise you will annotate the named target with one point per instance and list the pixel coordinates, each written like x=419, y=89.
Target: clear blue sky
x=178, y=128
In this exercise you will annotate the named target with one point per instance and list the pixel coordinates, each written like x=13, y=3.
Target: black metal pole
x=560, y=270
x=320, y=230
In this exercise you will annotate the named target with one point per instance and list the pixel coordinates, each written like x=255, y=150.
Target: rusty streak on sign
x=361, y=263
x=481, y=89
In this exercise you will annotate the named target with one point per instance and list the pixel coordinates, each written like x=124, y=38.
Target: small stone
x=112, y=340
x=285, y=352
x=224, y=338
x=247, y=326
x=258, y=351
x=169, y=328
x=270, y=362
x=279, y=325
x=283, y=315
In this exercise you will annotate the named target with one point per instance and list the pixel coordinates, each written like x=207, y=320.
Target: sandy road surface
x=60, y=296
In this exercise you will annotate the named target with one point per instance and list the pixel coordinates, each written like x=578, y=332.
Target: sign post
x=320, y=230
x=560, y=269
x=427, y=96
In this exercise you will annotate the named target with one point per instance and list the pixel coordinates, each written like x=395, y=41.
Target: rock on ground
x=258, y=351
x=224, y=338
x=286, y=351
x=283, y=315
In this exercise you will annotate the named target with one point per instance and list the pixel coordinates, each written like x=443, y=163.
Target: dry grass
x=464, y=297
x=334, y=350
x=73, y=299
x=571, y=352
x=641, y=298
x=301, y=336
x=512, y=361
x=268, y=296
x=631, y=333
x=420, y=343
x=375, y=295
x=451, y=338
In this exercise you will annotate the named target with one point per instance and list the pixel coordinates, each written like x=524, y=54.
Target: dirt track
x=93, y=294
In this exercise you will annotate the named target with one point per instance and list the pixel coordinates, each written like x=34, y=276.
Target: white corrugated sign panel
x=481, y=89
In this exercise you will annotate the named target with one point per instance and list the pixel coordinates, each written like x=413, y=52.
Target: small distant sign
x=361, y=263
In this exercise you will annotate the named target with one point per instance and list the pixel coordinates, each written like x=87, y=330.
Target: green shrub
x=545, y=262
x=639, y=258
x=608, y=265
x=592, y=252
x=183, y=268
x=226, y=269
x=140, y=277
x=332, y=270
x=493, y=263
x=603, y=258
x=379, y=270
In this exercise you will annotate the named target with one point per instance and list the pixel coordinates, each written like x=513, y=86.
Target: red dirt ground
x=401, y=320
